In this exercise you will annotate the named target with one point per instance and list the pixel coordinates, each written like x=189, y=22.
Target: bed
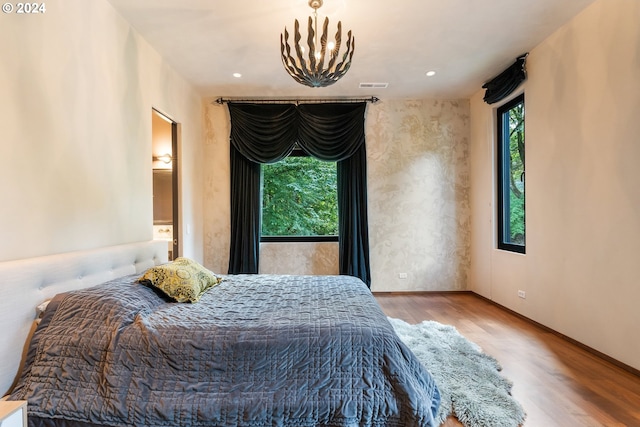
x=255, y=350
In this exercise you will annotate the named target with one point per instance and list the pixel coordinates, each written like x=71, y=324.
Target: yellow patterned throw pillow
x=184, y=280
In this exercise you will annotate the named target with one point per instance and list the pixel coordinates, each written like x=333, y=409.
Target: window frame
x=503, y=174
x=297, y=152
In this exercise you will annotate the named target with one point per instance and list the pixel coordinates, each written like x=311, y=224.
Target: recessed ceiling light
x=237, y=75
x=431, y=73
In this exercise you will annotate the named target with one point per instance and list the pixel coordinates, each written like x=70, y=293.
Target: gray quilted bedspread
x=255, y=351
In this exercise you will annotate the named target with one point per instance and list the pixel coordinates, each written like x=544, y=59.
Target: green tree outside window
x=299, y=197
x=511, y=175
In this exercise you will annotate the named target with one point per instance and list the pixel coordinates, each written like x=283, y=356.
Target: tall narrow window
x=299, y=199
x=511, y=177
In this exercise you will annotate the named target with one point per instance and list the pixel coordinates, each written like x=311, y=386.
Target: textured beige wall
x=581, y=269
x=417, y=154
x=78, y=85
x=299, y=258
x=418, y=180
x=217, y=193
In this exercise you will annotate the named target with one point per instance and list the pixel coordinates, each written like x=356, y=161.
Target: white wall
x=78, y=85
x=418, y=193
x=581, y=269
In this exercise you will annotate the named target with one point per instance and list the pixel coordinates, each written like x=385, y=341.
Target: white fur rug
x=469, y=381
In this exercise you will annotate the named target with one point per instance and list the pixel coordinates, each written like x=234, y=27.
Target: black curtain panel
x=259, y=134
x=352, y=216
x=506, y=82
x=266, y=133
x=245, y=214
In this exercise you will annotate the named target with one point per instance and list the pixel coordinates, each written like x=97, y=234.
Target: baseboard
x=562, y=336
x=585, y=347
x=423, y=292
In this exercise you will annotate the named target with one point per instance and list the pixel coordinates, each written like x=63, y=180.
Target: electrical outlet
x=402, y=275
x=522, y=294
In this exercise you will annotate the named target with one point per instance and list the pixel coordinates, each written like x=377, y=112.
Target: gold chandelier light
x=312, y=71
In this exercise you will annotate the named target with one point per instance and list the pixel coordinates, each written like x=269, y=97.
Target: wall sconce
x=166, y=158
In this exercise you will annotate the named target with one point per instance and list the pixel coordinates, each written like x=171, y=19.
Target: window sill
x=297, y=239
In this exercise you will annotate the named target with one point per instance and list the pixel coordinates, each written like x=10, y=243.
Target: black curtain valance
x=264, y=133
x=267, y=133
x=331, y=132
x=506, y=82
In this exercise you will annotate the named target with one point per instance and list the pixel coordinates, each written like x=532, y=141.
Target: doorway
x=164, y=136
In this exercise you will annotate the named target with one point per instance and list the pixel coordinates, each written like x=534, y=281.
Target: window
x=511, y=177
x=299, y=200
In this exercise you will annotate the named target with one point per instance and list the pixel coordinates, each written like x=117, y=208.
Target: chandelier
x=312, y=71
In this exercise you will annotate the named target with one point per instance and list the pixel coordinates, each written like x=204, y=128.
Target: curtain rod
x=221, y=100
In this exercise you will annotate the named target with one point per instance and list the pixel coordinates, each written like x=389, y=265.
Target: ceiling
x=466, y=42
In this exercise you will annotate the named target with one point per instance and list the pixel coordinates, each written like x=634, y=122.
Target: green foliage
x=517, y=220
x=516, y=198
x=299, y=198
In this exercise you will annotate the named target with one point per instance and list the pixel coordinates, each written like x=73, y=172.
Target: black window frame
x=297, y=152
x=503, y=176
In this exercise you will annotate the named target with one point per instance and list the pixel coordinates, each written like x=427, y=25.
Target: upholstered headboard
x=24, y=284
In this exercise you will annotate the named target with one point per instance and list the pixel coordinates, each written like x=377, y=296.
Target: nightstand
x=13, y=413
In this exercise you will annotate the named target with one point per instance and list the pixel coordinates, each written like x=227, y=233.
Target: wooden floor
x=557, y=383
